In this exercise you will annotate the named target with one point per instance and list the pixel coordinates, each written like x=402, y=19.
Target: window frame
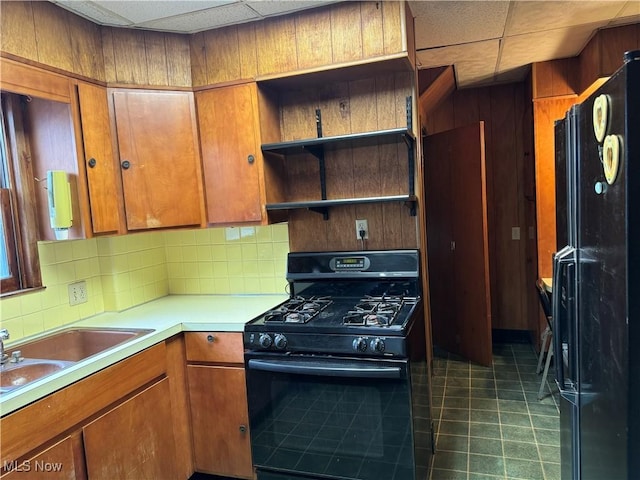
x=11, y=283
x=18, y=207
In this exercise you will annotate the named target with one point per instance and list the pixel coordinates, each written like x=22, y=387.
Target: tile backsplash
x=227, y=260
x=128, y=270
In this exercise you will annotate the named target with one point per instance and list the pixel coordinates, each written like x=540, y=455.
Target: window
x=19, y=265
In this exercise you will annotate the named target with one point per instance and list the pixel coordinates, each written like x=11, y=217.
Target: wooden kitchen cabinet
x=218, y=399
x=62, y=461
x=121, y=422
x=159, y=158
x=231, y=156
x=102, y=176
x=135, y=439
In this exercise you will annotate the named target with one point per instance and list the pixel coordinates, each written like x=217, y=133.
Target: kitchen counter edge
x=167, y=316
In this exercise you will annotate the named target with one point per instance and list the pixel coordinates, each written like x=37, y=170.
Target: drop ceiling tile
x=536, y=16
x=441, y=23
x=632, y=7
x=541, y=46
x=204, y=19
x=145, y=11
x=94, y=12
x=473, y=61
x=629, y=14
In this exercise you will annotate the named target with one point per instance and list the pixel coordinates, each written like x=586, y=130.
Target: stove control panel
x=343, y=264
x=361, y=345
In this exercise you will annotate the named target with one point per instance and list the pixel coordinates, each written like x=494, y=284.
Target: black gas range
x=336, y=375
x=347, y=303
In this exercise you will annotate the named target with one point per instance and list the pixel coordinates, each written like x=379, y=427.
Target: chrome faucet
x=4, y=335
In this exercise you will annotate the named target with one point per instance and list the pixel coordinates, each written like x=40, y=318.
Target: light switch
x=515, y=233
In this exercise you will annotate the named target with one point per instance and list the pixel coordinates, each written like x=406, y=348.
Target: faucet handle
x=4, y=334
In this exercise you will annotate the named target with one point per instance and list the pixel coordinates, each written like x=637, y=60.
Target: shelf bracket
x=410, y=152
x=323, y=210
x=318, y=123
x=412, y=207
x=318, y=152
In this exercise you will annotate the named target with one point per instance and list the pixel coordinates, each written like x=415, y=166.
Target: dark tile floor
x=489, y=421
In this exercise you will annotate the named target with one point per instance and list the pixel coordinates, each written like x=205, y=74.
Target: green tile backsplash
x=129, y=270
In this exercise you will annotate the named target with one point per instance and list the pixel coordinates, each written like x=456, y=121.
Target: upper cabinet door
x=231, y=153
x=159, y=160
x=102, y=176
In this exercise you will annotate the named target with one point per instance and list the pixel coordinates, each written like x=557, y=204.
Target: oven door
x=328, y=417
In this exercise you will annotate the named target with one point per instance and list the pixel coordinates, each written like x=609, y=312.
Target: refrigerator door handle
x=564, y=263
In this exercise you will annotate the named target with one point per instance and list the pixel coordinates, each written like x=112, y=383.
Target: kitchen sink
x=15, y=375
x=51, y=353
x=75, y=344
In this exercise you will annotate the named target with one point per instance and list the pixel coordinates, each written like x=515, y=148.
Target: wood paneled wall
x=136, y=57
x=546, y=111
x=375, y=103
x=603, y=54
x=344, y=32
x=52, y=142
x=44, y=33
x=506, y=112
x=600, y=58
x=47, y=34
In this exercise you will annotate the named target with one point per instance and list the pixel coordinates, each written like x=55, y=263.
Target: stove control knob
x=280, y=341
x=360, y=344
x=265, y=340
x=377, y=345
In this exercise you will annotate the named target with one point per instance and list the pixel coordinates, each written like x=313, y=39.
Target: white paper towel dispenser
x=60, y=209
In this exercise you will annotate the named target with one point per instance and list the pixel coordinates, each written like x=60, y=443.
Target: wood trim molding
x=27, y=80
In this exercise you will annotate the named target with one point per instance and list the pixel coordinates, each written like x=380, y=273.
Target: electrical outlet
x=362, y=225
x=78, y=293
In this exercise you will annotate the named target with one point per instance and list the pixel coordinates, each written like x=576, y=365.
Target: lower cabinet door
x=135, y=440
x=58, y=462
x=219, y=416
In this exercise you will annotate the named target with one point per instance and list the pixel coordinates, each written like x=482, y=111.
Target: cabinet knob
x=210, y=338
x=92, y=162
x=243, y=429
x=251, y=159
x=126, y=164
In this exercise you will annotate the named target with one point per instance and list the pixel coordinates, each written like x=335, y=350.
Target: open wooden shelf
x=340, y=141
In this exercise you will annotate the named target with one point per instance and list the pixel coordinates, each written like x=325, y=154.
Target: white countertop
x=167, y=316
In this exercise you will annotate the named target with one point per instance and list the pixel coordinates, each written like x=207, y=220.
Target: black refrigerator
x=596, y=281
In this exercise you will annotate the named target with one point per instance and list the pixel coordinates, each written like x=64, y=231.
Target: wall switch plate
x=78, y=293
x=515, y=233
x=362, y=225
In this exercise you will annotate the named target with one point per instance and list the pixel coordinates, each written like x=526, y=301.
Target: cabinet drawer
x=214, y=347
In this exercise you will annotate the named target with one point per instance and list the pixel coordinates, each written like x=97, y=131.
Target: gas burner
x=297, y=310
x=373, y=312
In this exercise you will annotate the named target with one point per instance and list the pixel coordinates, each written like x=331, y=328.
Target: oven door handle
x=326, y=368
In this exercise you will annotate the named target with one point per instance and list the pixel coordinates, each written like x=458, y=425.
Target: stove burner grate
x=374, y=311
x=297, y=310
